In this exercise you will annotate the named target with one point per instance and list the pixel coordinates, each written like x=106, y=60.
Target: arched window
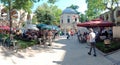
x=75, y=19
x=106, y=16
x=118, y=13
x=68, y=19
x=62, y=21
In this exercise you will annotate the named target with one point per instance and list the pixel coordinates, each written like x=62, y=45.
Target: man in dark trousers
x=68, y=34
x=92, y=41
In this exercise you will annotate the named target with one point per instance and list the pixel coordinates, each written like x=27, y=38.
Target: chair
x=40, y=40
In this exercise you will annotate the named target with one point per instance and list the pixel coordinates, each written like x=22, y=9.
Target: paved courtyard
x=64, y=52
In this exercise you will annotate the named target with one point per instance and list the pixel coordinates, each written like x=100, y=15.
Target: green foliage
x=22, y=4
x=48, y=14
x=95, y=7
x=19, y=4
x=4, y=35
x=108, y=48
x=83, y=18
x=34, y=20
x=75, y=7
x=56, y=12
x=52, y=1
x=25, y=43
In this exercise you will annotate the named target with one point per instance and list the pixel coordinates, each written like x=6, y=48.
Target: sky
x=62, y=4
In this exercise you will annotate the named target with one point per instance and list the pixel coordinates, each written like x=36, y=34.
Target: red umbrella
x=96, y=23
x=5, y=27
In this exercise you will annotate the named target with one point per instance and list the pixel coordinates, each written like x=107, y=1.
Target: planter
x=107, y=42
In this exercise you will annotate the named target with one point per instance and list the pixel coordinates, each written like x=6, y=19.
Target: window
x=107, y=17
x=62, y=21
x=75, y=19
x=118, y=13
x=68, y=20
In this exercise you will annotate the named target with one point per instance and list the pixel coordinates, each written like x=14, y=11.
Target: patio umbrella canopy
x=40, y=25
x=96, y=23
x=50, y=27
x=55, y=27
x=83, y=29
x=5, y=27
x=33, y=27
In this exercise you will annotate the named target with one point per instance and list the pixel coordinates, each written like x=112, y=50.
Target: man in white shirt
x=92, y=41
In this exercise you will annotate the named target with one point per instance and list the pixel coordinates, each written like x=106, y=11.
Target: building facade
x=18, y=17
x=68, y=20
x=117, y=15
x=107, y=15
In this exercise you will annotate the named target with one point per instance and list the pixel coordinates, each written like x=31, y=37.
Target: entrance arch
x=117, y=15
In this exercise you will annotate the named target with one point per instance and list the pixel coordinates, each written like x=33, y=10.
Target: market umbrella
x=50, y=27
x=40, y=25
x=96, y=23
x=82, y=30
x=5, y=27
x=54, y=27
x=33, y=27
x=46, y=27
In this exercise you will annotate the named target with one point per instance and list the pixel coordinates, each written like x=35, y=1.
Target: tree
x=22, y=4
x=34, y=20
x=95, y=7
x=52, y=1
x=83, y=18
x=75, y=7
x=43, y=14
x=19, y=4
x=48, y=14
x=56, y=12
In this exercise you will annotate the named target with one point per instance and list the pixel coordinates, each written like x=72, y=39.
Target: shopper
x=92, y=41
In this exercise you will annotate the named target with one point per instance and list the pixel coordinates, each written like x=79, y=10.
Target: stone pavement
x=64, y=52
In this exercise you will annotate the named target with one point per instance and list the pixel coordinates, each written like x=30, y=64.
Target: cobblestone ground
x=64, y=52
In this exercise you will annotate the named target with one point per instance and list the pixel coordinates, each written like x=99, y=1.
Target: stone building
x=117, y=15
x=18, y=17
x=107, y=15
x=69, y=19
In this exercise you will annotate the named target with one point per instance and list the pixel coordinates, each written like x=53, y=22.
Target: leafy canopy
x=95, y=7
x=22, y=4
x=48, y=14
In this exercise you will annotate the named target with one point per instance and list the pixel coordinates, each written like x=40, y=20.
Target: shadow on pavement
x=70, y=47
x=8, y=53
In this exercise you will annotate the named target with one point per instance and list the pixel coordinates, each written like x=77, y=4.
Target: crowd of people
x=94, y=36
x=42, y=35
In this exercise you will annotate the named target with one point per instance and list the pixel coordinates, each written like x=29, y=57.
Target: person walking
x=92, y=41
x=68, y=34
x=50, y=37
